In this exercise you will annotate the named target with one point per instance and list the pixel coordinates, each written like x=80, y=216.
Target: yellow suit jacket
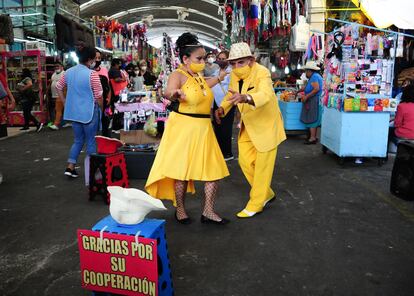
x=263, y=122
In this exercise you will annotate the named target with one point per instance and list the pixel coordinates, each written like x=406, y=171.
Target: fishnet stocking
x=180, y=190
x=210, y=191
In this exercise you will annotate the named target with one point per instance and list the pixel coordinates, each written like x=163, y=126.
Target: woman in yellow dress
x=189, y=150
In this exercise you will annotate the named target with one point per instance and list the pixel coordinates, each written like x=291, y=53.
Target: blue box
x=355, y=134
x=149, y=228
x=291, y=115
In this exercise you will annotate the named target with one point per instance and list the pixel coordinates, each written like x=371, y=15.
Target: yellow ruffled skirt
x=188, y=152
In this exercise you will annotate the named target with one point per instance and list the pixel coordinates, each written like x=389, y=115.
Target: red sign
x=117, y=264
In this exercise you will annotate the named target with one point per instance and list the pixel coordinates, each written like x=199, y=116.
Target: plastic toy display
x=359, y=67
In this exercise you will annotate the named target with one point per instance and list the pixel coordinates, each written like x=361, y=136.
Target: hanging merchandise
x=262, y=18
x=357, y=91
x=300, y=35
x=358, y=80
x=167, y=60
x=400, y=47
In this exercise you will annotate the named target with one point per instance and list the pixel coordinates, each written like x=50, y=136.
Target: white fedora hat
x=239, y=51
x=311, y=65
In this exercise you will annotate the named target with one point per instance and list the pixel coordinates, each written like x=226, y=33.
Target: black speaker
x=402, y=178
x=6, y=29
x=70, y=33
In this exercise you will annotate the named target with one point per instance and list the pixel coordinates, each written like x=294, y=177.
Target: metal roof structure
x=171, y=16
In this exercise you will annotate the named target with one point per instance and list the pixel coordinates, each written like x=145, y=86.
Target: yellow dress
x=188, y=150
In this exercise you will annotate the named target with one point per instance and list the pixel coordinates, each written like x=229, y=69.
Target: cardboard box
x=137, y=137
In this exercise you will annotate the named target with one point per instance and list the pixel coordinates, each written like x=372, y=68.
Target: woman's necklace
x=199, y=81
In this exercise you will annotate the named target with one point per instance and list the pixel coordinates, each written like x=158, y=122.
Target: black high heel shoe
x=184, y=221
x=206, y=220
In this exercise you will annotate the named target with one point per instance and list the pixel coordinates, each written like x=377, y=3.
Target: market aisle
x=332, y=230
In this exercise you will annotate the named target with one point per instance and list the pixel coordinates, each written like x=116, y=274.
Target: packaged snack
x=378, y=105
x=348, y=105
x=356, y=105
x=393, y=105
x=371, y=105
x=363, y=105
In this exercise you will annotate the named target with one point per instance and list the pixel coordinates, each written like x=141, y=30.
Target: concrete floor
x=332, y=230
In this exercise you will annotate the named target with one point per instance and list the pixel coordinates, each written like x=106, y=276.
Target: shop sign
x=116, y=263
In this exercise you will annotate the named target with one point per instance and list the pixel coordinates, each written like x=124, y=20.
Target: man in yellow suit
x=251, y=89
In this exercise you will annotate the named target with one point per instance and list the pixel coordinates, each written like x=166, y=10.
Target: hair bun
x=185, y=40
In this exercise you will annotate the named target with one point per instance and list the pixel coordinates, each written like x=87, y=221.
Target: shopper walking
x=311, y=114
x=55, y=100
x=189, y=150
x=119, y=81
x=404, y=118
x=27, y=99
x=137, y=81
x=224, y=131
x=7, y=103
x=149, y=78
x=106, y=95
x=212, y=68
x=82, y=106
x=251, y=90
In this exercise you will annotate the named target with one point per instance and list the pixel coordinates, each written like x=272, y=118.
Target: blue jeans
x=84, y=133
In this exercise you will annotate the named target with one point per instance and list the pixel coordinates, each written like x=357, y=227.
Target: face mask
x=196, y=68
x=242, y=72
x=58, y=71
x=97, y=64
x=211, y=60
x=222, y=64
x=144, y=68
x=92, y=66
x=136, y=72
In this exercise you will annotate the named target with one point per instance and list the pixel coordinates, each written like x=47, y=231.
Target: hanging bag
x=300, y=35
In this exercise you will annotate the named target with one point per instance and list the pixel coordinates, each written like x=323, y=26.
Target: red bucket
x=107, y=145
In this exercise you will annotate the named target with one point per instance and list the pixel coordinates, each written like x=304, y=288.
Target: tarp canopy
x=385, y=13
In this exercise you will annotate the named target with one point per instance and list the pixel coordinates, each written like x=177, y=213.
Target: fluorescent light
x=25, y=14
x=21, y=40
x=103, y=49
x=40, y=40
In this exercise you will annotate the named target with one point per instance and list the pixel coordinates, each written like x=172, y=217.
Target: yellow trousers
x=258, y=169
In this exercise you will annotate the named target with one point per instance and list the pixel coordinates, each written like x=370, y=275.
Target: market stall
x=13, y=63
x=359, y=69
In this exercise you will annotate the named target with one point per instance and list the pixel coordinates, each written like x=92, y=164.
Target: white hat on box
x=311, y=65
x=239, y=51
x=130, y=206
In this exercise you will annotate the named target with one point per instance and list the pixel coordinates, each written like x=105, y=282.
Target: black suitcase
x=402, y=178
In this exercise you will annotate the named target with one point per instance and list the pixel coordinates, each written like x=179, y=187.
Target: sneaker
x=228, y=158
x=53, y=127
x=359, y=161
x=71, y=173
x=67, y=125
x=39, y=127
x=68, y=172
x=74, y=174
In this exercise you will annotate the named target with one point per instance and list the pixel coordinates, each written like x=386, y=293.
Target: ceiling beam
x=167, y=20
x=182, y=29
x=155, y=8
x=91, y=3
